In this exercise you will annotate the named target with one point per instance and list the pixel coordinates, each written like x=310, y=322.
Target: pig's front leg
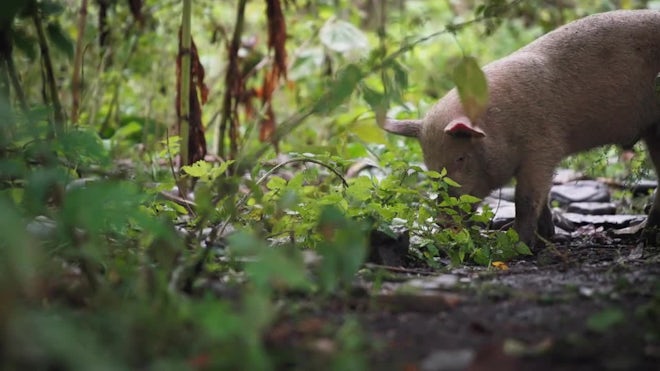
x=532, y=211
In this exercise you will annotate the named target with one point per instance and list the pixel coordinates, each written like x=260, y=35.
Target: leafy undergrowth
x=262, y=271
x=102, y=266
x=308, y=262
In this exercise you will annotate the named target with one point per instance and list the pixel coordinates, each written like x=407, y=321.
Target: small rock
x=365, y=166
x=580, y=191
x=566, y=175
x=592, y=208
x=633, y=229
x=442, y=281
x=457, y=359
x=504, y=193
x=505, y=212
x=561, y=222
x=80, y=183
x=42, y=227
x=606, y=221
x=643, y=187
x=586, y=291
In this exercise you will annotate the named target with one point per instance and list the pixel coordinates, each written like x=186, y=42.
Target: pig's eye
x=459, y=163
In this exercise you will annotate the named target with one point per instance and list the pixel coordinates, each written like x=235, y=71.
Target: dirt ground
x=582, y=306
x=572, y=307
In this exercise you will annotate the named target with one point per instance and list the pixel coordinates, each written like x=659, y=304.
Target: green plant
x=102, y=264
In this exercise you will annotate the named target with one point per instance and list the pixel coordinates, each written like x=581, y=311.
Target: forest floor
x=577, y=306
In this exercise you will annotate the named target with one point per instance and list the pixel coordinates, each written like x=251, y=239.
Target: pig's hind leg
x=652, y=230
x=545, y=227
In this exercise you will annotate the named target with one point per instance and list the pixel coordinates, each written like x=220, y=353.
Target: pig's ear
x=408, y=128
x=462, y=127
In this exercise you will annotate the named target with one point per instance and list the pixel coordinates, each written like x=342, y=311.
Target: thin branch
x=58, y=113
x=303, y=159
x=16, y=84
x=184, y=92
x=77, y=62
x=232, y=81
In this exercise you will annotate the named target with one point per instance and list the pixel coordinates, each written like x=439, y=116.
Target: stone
x=592, y=208
x=580, y=191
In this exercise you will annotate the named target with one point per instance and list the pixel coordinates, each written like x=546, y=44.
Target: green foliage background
x=98, y=267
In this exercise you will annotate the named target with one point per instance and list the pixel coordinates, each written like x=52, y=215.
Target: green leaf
x=469, y=199
x=10, y=9
x=472, y=87
x=59, y=39
x=270, y=267
x=49, y=8
x=375, y=99
x=276, y=183
x=522, y=248
x=342, y=88
x=289, y=199
x=361, y=188
x=83, y=147
x=25, y=43
x=433, y=174
x=222, y=168
x=199, y=169
x=450, y=182
x=605, y=320
x=400, y=75
x=481, y=256
x=128, y=130
x=367, y=131
x=343, y=37
x=103, y=207
x=343, y=248
x=279, y=268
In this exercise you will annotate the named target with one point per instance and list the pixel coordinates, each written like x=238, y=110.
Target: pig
x=586, y=84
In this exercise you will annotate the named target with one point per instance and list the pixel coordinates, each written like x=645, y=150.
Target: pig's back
x=603, y=30
x=588, y=83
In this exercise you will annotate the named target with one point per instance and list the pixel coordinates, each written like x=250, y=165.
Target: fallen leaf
x=500, y=265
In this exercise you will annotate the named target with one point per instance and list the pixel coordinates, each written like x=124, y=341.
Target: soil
x=533, y=316
x=570, y=307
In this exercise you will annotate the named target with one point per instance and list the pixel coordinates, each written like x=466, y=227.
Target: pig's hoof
x=541, y=242
x=651, y=235
x=546, y=231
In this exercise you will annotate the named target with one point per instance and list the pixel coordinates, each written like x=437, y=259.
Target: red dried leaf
x=197, y=72
x=277, y=34
x=196, y=140
x=136, y=10
x=270, y=84
x=267, y=125
x=234, y=90
x=246, y=101
x=200, y=361
x=276, y=43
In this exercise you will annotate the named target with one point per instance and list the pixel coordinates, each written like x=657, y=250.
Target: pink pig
x=583, y=85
